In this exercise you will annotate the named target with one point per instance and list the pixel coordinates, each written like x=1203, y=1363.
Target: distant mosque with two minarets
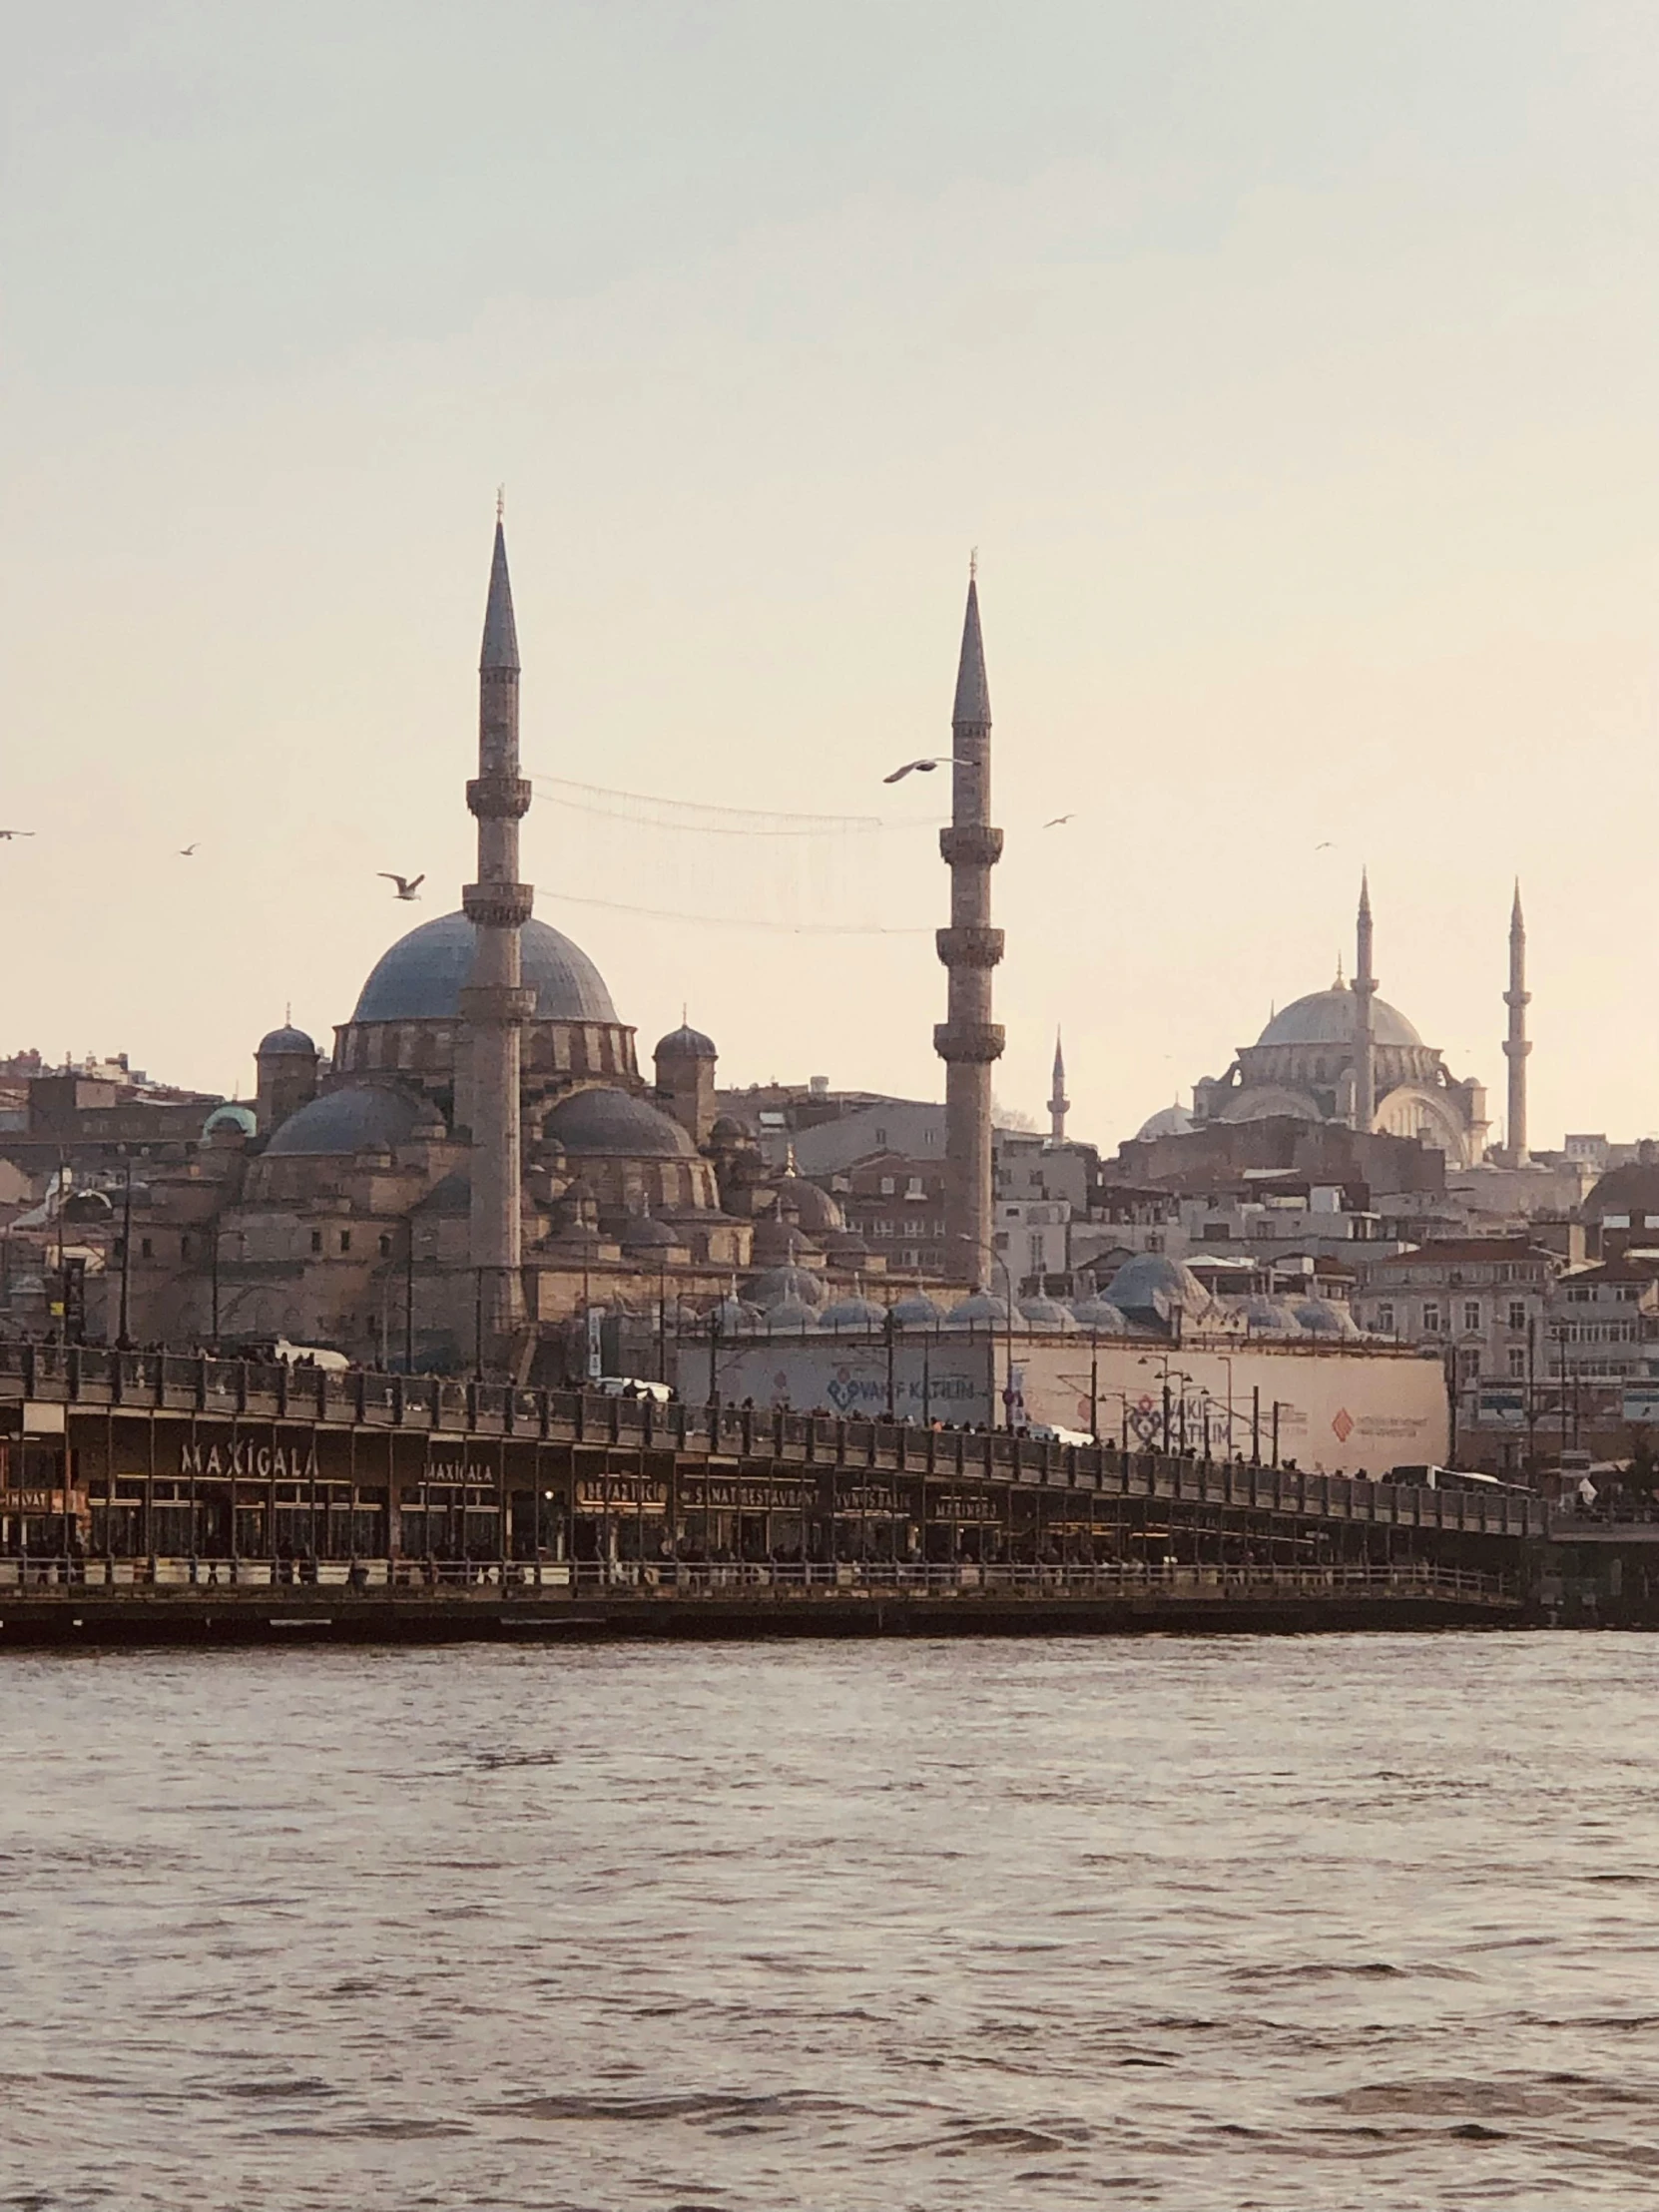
x=1345, y=1055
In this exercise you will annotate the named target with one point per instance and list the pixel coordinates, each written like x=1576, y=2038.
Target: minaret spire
x=1516, y=1047
x=494, y=1005
x=968, y=1040
x=1365, y=990
x=1058, y=1103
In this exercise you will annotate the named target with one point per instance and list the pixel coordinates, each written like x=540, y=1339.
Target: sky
x=1290, y=363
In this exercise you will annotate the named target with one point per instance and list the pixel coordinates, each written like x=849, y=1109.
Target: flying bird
x=1324, y=846
x=187, y=851
x=16, y=833
x=1058, y=821
x=911, y=768
x=408, y=887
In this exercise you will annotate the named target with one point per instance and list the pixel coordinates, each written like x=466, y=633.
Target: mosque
x=1346, y=1055
x=478, y=1158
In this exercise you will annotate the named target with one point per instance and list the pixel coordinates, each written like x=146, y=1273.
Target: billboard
x=1339, y=1412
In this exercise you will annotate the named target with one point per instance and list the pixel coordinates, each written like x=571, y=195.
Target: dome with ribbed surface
x=421, y=978
x=685, y=1043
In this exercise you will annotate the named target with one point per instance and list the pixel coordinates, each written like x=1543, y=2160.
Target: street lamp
x=1226, y=1358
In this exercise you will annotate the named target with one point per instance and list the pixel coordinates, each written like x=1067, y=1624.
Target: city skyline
x=1305, y=462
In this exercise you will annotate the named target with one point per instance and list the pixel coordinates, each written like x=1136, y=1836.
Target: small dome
x=362, y=1116
x=1326, y=1017
x=421, y=976
x=1045, y=1313
x=1153, y=1285
x=276, y=1042
x=917, y=1311
x=642, y=1232
x=980, y=1310
x=780, y=1243
x=734, y=1317
x=774, y=1285
x=606, y=1121
x=728, y=1129
x=1100, y=1317
x=232, y=1116
x=685, y=1043
x=853, y=1312
x=1321, y=1316
x=788, y=1312
x=1168, y=1121
x=817, y=1212
x=845, y=1247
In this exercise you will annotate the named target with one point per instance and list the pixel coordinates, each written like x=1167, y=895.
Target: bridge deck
x=234, y=1396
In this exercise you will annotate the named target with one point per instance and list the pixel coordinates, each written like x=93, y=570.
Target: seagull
x=1058, y=821
x=911, y=768
x=408, y=887
x=188, y=851
x=16, y=833
x=1326, y=847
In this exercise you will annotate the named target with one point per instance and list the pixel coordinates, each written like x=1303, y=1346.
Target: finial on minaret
x=500, y=647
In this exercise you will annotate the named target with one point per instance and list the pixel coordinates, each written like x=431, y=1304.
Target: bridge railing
x=686, y=1579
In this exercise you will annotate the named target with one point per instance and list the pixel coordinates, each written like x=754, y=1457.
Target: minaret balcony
x=969, y=948
x=970, y=844
x=974, y=1043
x=499, y=798
x=498, y=905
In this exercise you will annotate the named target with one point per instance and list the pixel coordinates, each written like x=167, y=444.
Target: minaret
x=967, y=1041
x=1058, y=1103
x=1365, y=990
x=1515, y=1047
x=494, y=1005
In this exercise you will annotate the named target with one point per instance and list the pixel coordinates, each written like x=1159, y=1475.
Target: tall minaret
x=1515, y=1047
x=494, y=1005
x=1058, y=1103
x=1365, y=990
x=968, y=1040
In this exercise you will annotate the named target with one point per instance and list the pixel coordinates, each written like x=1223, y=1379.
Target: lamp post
x=1226, y=1358
x=122, y=1339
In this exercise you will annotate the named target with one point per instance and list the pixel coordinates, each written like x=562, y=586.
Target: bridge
x=164, y=1493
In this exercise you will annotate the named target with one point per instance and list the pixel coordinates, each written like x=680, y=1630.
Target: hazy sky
x=1291, y=362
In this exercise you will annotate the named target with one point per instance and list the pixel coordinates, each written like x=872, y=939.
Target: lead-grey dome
x=1326, y=1017
x=362, y=1115
x=685, y=1043
x=615, y=1121
x=421, y=978
x=287, y=1039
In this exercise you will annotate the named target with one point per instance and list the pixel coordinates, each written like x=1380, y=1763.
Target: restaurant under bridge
x=127, y=1472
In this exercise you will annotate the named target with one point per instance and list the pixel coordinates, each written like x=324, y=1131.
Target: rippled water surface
x=1352, y=1922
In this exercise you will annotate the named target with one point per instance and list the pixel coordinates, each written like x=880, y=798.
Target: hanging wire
x=729, y=867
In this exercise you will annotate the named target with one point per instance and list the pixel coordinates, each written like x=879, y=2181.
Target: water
x=1347, y=1921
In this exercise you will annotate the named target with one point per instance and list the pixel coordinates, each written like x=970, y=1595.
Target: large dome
x=420, y=978
x=1326, y=1017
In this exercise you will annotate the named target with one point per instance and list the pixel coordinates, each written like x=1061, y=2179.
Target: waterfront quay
x=180, y=1496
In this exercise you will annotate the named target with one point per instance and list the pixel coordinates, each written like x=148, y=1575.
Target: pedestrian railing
x=694, y=1579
